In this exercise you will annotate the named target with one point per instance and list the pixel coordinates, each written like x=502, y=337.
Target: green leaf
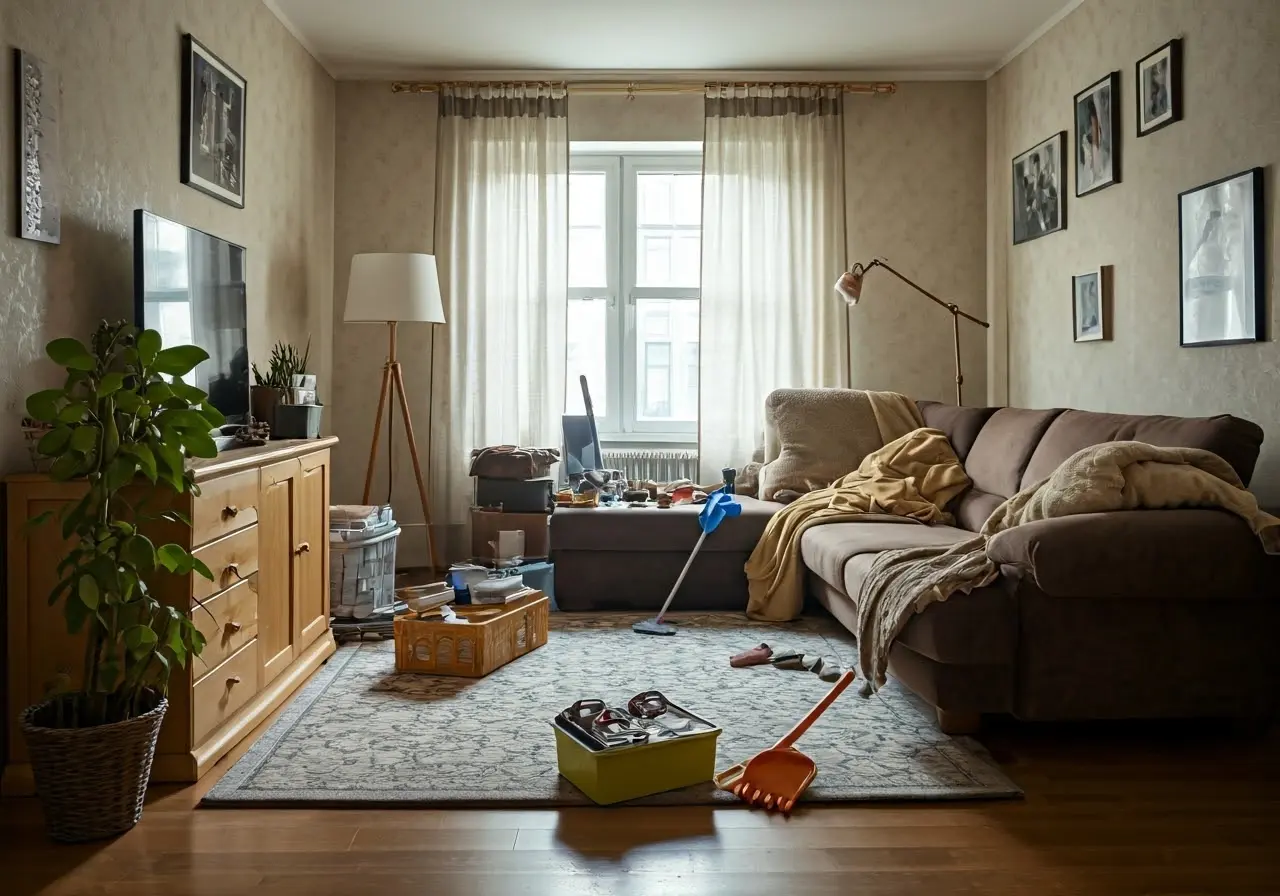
x=146, y=460
x=64, y=351
x=140, y=639
x=72, y=413
x=87, y=588
x=43, y=405
x=108, y=672
x=164, y=663
x=75, y=612
x=213, y=416
x=59, y=589
x=149, y=343
x=84, y=438
x=176, y=516
x=74, y=515
x=199, y=444
x=158, y=392
x=128, y=401
x=65, y=467
x=38, y=520
x=187, y=393
x=198, y=565
x=180, y=360
x=54, y=441
x=197, y=641
x=184, y=419
x=171, y=557
x=110, y=383
x=121, y=472
x=140, y=552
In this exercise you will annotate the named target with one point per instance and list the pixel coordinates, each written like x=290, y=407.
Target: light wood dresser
x=261, y=525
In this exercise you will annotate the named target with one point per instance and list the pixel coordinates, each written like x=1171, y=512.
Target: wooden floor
x=1128, y=810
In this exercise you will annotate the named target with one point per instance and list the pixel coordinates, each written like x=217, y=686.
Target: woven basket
x=91, y=781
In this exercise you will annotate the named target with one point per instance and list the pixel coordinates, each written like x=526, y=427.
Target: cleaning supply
x=777, y=777
x=719, y=505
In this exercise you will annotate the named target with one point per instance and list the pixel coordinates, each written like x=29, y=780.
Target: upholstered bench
x=625, y=558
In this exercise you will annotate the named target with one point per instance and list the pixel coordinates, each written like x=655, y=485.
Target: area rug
x=358, y=734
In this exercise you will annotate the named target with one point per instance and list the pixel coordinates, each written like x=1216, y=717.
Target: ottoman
x=627, y=558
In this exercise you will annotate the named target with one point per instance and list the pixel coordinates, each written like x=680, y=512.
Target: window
x=635, y=247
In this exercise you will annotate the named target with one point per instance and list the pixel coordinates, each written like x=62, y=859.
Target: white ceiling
x=407, y=38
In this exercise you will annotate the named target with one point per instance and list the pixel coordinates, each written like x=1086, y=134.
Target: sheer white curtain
x=773, y=242
x=502, y=229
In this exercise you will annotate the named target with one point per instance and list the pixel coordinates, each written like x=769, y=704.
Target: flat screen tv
x=190, y=287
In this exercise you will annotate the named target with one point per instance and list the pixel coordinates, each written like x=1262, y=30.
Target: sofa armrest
x=1187, y=553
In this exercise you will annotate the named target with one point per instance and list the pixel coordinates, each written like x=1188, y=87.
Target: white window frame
x=621, y=168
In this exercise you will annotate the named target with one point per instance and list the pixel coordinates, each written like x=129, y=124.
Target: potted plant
x=297, y=416
x=124, y=415
x=271, y=390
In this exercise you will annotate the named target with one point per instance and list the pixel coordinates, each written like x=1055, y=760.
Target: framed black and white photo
x=1158, y=83
x=1089, y=306
x=1222, y=261
x=1097, y=150
x=1039, y=191
x=38, y=103
x=213, y=117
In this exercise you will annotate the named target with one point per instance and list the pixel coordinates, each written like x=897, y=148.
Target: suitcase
x=516, y=495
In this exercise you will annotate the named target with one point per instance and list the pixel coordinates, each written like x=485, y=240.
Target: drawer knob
x=230, y=511
x=233, y=680
x=233, y=627
x=302, y=548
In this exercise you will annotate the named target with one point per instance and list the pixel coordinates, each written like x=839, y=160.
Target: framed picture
x=38, y=103
x=1039, y=194
x=1221, y=232
x=1097, y=113
x=1089, y=306
x=1159, y=87
x=213, y=116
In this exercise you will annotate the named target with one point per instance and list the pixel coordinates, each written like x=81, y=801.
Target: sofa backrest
x=1007, y=449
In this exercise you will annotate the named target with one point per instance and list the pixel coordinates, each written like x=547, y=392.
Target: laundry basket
x=362, y=571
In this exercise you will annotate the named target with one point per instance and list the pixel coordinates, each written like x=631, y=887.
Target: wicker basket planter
x=91, y=781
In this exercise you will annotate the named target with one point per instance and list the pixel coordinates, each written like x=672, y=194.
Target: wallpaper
x=1231, y=123
x=120, y=69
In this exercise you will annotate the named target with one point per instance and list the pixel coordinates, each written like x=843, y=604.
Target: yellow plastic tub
x=627, y=773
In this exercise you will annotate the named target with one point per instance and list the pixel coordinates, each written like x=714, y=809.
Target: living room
x=712, y=211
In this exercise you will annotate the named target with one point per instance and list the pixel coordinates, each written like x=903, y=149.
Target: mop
x=719, y=505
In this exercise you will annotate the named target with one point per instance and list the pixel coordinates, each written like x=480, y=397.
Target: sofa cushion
x=1235, y=440
x=1004, y=446
x=827, y=549
x=973, y=507
x=648, y=529
x=813, y=437
x=961, y=425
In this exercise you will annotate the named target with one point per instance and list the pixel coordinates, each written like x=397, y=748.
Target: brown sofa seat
x=827, y=550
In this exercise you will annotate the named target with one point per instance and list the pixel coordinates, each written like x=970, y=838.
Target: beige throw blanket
x=914, y=477
x=1101, y=478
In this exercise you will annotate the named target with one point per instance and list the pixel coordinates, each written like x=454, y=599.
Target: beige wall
x=927, y=218
x=1231, y=123
x=120, y=68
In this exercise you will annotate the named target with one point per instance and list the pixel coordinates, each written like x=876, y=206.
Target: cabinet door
x=311, y=551
x=276, y=542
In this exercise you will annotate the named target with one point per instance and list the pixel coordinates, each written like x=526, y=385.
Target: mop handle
x=672, y=596
x=804, y=724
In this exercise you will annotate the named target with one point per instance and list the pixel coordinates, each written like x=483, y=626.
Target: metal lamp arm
x=950, y=306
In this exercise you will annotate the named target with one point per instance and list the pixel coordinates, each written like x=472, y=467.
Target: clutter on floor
x=615, y=753
x=362, y=560
x=471, y=641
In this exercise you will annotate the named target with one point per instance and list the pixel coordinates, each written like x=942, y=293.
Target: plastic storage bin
x=362, y=570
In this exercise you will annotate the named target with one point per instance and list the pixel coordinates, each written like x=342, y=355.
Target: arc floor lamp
x=849, y=286
x=394, y=288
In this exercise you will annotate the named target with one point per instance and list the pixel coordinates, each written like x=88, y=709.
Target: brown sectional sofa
x=1140, y=614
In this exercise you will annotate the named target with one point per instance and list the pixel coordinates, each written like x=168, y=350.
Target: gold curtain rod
x=634, y=88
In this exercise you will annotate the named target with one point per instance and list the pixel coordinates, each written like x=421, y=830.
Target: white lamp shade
x=394, y=286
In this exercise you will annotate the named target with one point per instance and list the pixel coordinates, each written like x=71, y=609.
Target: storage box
x=362, y=570
x=486, y=524
x=516, y=495
x=628, y=773
x=494, y=636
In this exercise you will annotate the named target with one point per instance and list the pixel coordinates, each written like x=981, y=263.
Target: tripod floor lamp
x=394, y=288
x=849, y=286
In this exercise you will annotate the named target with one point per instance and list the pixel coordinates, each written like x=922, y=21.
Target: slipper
x=756, y=656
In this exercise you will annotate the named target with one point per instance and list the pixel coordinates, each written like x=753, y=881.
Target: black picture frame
x=214, y=114
x=1249, y=200
x=1033, y=218
x=1148, y=125
x=1084, y=108
x=1095, y=329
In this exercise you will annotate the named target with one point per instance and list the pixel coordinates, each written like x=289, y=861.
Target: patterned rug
x=358, y=734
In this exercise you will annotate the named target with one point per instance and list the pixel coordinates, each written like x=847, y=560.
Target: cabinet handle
x=230, y=511
x=233, y=627
x=233, y=680
x=302, y=548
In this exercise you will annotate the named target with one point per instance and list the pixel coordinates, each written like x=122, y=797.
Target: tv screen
x=190, y=287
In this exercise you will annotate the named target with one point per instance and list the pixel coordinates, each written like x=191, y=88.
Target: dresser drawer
x=228, y=621
x=231, y=558
x=224, y=505
x=220, y=694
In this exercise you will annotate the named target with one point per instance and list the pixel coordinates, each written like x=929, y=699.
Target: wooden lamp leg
x=377, y=430
x=398, y=379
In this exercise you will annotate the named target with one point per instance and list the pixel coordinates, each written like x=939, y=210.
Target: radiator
x=660, y=466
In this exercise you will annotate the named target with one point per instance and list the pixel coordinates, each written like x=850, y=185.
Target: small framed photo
x=213, y=117
x=1089, y=306
x=38, y=103
x=1097, y=113
x=1039, y=194
x=1222, y=261
x=1158, y=81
